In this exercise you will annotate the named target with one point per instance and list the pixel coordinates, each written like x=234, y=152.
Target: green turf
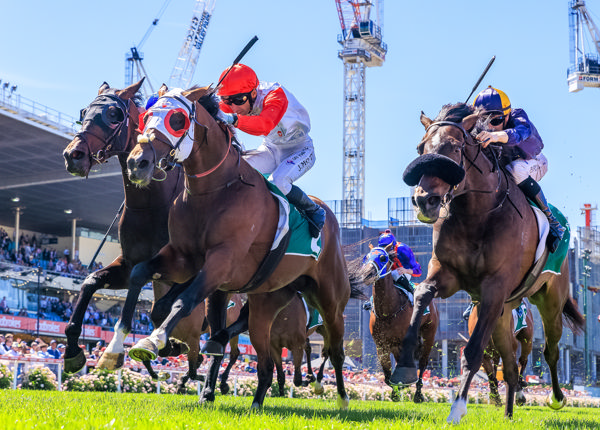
x=23, y=409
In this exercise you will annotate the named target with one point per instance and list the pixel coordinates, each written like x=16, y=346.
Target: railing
x=33, y=111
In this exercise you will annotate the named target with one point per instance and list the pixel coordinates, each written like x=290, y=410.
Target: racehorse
x=289, y=330
x=221, y=232
x=108, y=129
x=491, y=357
x=390, y=316
x=484, y=244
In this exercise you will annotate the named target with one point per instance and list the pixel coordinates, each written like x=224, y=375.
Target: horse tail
x=358, y=278
x=356, y=292
x=573, y=318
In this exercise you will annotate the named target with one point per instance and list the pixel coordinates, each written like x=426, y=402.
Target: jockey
x=286, y=153
x=404, y=263
x=512, y=127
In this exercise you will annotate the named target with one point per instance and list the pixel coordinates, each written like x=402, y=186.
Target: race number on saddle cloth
x=520, y=316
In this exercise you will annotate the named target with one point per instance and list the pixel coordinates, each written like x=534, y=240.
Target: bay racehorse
x=108, y=129
x=390, y=316
x=484, y=242
x=222, y=230
x=491, y=356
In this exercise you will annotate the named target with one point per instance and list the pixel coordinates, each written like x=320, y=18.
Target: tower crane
x=584, y=70
x=134, y=67
x=362, y=46
x=185, y=65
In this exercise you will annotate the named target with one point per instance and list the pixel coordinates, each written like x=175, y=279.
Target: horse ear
x=469, y=121
x=195, y=94
x=131, y=90
x=163, y=90
x=425, y=120
x=103, y=88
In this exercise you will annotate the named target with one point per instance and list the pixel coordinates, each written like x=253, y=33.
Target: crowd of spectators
x=31, y=254
x=15, y=347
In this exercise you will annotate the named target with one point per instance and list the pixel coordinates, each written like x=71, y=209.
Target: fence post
x=291, y=395
x=59, y=376
x=119, y=381
x=15, y=375
x=158, y=387
x=235, y=387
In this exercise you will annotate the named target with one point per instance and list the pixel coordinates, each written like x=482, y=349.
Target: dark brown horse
x=390, y=317
x=491, y=356
x=108, y=129
x=289, y=330
x=221, y=230
x=484, y=243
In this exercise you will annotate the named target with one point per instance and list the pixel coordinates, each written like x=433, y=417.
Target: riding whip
x=481, y=78
x=107, y=231
x=240, y=56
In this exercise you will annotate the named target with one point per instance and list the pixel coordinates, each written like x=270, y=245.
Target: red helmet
x=241, y=79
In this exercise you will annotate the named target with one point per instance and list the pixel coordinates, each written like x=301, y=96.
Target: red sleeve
x=274, y=107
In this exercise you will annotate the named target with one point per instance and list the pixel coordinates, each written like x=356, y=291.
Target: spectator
x=43, y=351
x=53, y=351
x=61, y=349
x=3, y=349
x=3, y=305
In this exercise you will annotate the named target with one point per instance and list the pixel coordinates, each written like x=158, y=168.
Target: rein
x=467, y=140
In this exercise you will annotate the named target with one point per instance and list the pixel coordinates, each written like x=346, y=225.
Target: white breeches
x=521, y=169
x=284, y=166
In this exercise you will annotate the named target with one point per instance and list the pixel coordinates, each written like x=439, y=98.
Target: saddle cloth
x=301, y=242
x=555, y=259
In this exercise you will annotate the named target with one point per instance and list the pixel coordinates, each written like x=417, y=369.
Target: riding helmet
x=493, y=100
x=386, y=238
x=240, y=79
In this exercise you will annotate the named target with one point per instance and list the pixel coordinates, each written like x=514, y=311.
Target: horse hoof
x=404, y=376
x=178, y=347
x=111, y=360
x=396, y=395
x=418, y=398
x=255, y=406
x=213, y=348
x=75, y=364
x=520, y=398
x=552, y=403
x=343, y=402
x=224, y=388
x=457, y=411
x=496, y=400
x=317, y=388
x=144, y=350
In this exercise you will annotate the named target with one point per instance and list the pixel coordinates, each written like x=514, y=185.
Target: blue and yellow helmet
x=493, y=100
x=386, y=238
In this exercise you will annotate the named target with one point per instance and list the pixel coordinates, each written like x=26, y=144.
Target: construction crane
x=187, y=59
x=134, y=67
x=361, y=39
x=584, y=70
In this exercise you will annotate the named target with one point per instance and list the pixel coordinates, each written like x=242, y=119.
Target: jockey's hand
x=487, y=137
x=227, y=118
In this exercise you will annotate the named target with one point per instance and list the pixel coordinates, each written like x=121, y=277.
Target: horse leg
x=276, y=355
x=234, y=353
x=217, y=342
x=317, y=386
x=298, y=355
x=263, y=310
x=310, y=376
x=490, y=365
x=526, y=347
x=114, y=276
x=217, y=315
x=405, y=372
x=489, y=313
x=428, y=335
x=506, y=344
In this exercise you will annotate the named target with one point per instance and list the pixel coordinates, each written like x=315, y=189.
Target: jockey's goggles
x=172, y=115
x=236, y=99
x=496, y=120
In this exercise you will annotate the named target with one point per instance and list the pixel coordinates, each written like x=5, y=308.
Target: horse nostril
x=434, y=201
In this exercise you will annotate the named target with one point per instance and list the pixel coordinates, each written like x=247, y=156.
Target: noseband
x=109, y=148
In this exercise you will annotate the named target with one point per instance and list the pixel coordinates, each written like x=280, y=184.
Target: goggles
x=236, y=99
x=106, y=109
x=497, y=120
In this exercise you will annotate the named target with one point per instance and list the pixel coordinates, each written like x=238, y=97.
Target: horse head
x=439, y=169
x=107, y=127
x=169, y=129
x=376, y=264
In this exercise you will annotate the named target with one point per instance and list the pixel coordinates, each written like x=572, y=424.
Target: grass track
x=23, y=409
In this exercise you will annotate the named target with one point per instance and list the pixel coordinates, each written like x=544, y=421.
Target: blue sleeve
x=520, y=129
x=407, y=258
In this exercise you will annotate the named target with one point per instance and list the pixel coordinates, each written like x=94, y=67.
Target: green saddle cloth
x=555, y=259
x=301, y=242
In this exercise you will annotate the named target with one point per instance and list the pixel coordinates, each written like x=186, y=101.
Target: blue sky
x=59, y=53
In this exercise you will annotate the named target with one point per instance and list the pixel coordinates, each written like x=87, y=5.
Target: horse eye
x=382, y=258
x=115, y=115
x=177, y=121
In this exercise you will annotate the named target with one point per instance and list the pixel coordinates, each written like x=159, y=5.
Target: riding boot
x=533, y=192
x=314, y=214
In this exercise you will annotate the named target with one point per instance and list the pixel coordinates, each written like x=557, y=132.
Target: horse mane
x=455, y=112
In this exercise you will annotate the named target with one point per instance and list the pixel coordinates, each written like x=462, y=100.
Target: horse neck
x=212, y=164
x=386, y=299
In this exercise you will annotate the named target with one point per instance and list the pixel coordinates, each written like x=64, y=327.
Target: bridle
x=468, y=140
x=109, y=147
x=383, y=267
